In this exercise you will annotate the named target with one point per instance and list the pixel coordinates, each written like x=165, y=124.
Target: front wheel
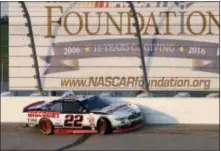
x=45, y=126
x=104, y=126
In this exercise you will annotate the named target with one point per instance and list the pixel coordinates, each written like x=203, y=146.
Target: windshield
x=96, y=103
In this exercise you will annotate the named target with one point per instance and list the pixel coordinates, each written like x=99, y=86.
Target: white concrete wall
x=156, y=110
x=179, y=110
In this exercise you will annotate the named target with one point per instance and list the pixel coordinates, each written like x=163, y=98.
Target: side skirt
x=83, y=130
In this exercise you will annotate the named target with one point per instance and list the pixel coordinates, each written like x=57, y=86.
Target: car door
x=73, y=116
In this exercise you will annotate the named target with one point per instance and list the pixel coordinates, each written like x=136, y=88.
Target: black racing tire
x=45, y=126
x=104, y=126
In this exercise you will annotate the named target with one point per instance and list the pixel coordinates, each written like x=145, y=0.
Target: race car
x=83, y=114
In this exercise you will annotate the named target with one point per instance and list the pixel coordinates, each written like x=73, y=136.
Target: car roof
x=77, y=97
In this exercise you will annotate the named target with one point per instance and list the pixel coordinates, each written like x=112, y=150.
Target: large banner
x=94, y=46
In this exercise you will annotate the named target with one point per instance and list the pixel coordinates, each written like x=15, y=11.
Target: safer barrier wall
x=179, y=110
x=156, y=110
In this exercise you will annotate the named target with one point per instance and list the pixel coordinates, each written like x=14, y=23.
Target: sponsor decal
x=92, y=122
x=43, y=114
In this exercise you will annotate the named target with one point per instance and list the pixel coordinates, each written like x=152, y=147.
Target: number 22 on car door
x=73, y=117
x=73, y=121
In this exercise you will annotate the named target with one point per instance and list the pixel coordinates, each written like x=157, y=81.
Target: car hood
x=120, y=109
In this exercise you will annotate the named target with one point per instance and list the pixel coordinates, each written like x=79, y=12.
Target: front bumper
x=133, y=126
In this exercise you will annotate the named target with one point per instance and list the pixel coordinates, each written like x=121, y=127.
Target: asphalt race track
x=14, y=137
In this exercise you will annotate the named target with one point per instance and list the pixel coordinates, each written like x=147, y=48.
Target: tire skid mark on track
x=149, y=138
x=79, y=141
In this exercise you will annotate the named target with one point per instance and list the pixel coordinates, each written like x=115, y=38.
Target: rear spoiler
x=25, y=109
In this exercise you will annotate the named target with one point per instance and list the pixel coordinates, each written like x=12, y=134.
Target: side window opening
x=72, y=107
x=55, y=107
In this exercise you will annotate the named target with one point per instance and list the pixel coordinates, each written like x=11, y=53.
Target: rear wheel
x=104, y=126
x=45, y=126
